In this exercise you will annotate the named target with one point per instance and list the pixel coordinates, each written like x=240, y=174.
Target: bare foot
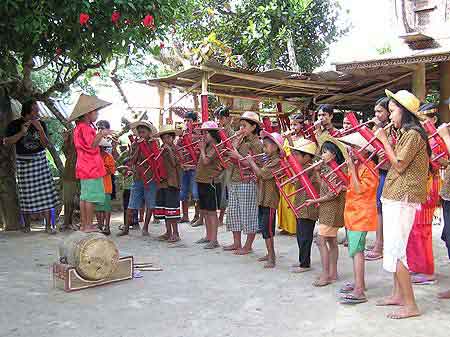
x=263, y=258
x=389, y=300
x=231, y=247
x=405, y=312
x=90, y=229
x=269, y=264
x=243, y=251
x=298, y=270
x=444, y=295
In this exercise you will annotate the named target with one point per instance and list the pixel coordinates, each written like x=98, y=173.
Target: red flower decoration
x=97, y=74
x=127, y=22
x=149, y=21
x=58, y=51
x=84, y=18
x=161, y=45
x=115, y=17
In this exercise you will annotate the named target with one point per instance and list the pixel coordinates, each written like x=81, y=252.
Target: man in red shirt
x=90, y=168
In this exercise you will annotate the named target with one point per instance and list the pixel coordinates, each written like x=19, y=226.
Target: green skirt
x=105, y=206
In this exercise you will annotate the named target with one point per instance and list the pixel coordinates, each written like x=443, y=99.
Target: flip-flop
x=421, y=280
x=347, y=288
x=352, y=299
x=163, y=237
x=202, y=240
x=150, y=269
x=318, y=283
x=211, y=245
x=299, y=270
x=372, y=256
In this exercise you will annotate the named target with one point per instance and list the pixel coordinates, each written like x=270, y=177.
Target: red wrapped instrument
x=153, y=157
x=187, y=150
x=436, y=143
x=371, y=139
x=290, y=171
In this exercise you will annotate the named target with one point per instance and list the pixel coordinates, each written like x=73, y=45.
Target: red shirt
x=89, y=161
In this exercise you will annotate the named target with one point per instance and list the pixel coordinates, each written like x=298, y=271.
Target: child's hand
x=234, y=154
x=310, y=202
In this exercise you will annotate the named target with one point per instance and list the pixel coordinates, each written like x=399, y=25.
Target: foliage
x=386, y=49
x=69, y=38
x=258, y=31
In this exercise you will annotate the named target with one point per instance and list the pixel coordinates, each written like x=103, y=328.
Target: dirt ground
x=202, y=294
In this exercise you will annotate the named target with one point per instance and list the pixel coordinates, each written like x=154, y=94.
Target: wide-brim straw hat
x=250, y=116
x=406, y=100
x=86, y=104
x=327, y=138
x=355, y=139
x=147, y=124
x=274, y=137
x=304, y=145
x=210, y=125
x=168, y=128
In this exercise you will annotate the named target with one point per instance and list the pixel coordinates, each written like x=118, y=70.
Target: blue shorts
x=382, y=178
x=139, y=194
x=188, y=185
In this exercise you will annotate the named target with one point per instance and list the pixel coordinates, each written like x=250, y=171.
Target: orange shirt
x=360, y=212
x=110, y=167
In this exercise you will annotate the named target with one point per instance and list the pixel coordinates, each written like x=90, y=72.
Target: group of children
x=372, y=198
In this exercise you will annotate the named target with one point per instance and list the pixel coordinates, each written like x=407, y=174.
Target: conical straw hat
x=85, y=105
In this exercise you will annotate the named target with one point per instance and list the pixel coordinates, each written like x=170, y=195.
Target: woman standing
x=37, y=193
x=404, y=190
x=243, y=203
x=286, y=217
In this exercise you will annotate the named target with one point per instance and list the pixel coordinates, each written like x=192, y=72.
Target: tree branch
x=62, y=87
x=52, y=107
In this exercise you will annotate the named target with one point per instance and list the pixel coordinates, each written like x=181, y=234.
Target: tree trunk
x=9, y=201
x=292, y=57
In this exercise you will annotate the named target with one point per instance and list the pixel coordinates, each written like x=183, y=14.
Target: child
x=143, y=190
x=188, y=184
x=304, y=151
x=243, y=204
x=90, y=168
x=360, y=214
x=331, y=211
x=104, y=209
x=126, y=181
x=168, y=195
x=404, y=190
x=268, y=194
x=209, y=189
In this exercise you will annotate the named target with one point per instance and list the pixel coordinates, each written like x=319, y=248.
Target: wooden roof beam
x=274, y=81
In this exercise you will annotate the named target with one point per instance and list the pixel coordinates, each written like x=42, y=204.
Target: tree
x=67, y=40
x=290, y=34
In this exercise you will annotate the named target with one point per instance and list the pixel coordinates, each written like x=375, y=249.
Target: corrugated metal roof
x=44, y=111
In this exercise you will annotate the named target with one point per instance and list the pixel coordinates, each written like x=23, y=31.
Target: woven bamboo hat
x=250, y=116
x=147, y=124
x=168, y=128
x=327, y=138
x=355, y=139
x=276, y=138
x=304, y=145
x=86, y=104
x=407, y=100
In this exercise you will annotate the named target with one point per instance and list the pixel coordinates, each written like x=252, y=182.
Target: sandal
x=421, y=280
x=373, y=256
x=163, y=237
x=212, y=245
x=202, y=240
x=321, y=283
x=352, y=299
x=26, y=229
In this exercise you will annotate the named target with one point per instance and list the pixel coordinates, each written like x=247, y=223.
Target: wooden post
x=204, y=97
x=161, y=91
x=444, y=93
x=196, y=103
x=418, y=82
x=170, y=110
